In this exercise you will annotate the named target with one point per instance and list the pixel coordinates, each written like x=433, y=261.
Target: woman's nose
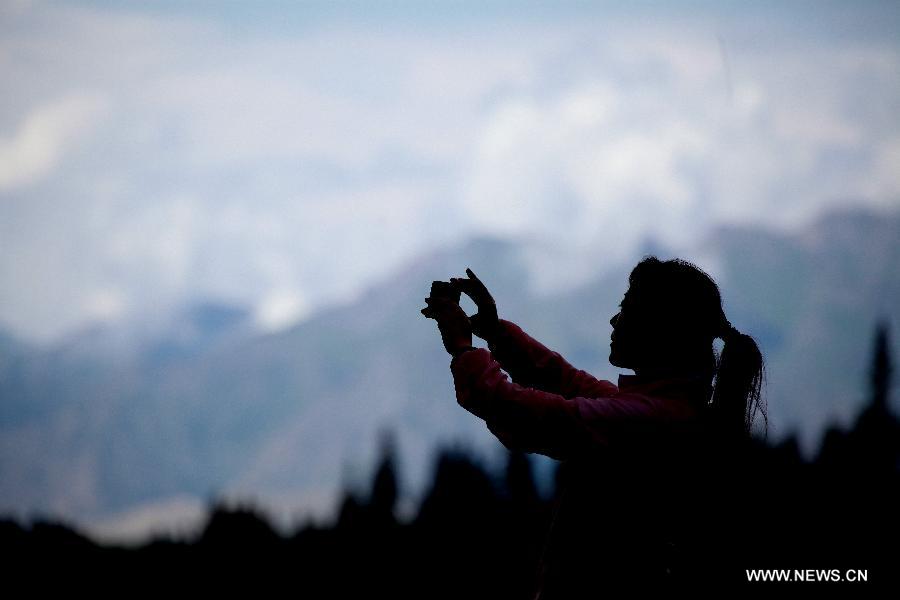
x=614, y=319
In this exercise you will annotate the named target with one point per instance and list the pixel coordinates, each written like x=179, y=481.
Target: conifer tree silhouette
x=875, y=443
x=383, y=498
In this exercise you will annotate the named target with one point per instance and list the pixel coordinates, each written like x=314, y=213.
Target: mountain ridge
x=285, y=414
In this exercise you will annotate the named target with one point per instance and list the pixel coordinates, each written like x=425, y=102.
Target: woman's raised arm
x=533, y=420
x=532, y=364
x=528, y=361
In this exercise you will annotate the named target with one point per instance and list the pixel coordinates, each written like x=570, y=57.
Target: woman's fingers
x=468, y=285
x=463, y=285
x=430, y=311
x=472, y=287
x=438, y=305
x=477, y=284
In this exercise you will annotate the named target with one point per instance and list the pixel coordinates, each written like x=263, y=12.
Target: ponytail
x=740, y=373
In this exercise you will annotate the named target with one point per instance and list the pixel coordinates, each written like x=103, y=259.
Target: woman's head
x=666, y=325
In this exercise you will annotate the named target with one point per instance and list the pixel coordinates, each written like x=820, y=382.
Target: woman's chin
x=614, y=359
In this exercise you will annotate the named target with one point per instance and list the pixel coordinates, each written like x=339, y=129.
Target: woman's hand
x=452, y=320
x=485, y=322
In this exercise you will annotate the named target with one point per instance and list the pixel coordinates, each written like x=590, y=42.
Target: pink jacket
x=558, y=410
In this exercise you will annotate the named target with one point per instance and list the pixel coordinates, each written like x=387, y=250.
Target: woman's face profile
x=623, y=342
x=638, y=340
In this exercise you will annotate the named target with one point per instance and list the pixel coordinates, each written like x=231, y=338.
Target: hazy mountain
x=813, y=301
x=85, y=433
x=205, y=406
x=189, y=331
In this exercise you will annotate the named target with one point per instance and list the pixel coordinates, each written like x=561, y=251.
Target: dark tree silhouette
x=384, y=487
x=479, y=534
x=881, y=368
x=877, y=434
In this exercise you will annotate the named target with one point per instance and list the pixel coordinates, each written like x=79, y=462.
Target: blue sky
x=286, y=155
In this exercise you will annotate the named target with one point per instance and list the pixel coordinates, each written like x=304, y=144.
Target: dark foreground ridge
x=479, y=534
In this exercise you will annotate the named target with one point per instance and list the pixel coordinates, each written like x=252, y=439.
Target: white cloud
x=290, y=170
x=44, y=136
x=280, y=308
x=885, y=184
x=105, y=304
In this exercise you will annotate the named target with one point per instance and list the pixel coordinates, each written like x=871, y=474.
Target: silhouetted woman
x=647, y=465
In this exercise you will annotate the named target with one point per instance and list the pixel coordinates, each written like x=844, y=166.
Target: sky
x=285, y=156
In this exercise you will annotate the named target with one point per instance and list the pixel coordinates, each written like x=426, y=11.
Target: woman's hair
x=684, y=304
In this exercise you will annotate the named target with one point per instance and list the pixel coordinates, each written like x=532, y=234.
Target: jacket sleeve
x=532, y=364
x=532, y=420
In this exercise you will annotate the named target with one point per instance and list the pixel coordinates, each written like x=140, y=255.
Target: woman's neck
x=671, y=372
